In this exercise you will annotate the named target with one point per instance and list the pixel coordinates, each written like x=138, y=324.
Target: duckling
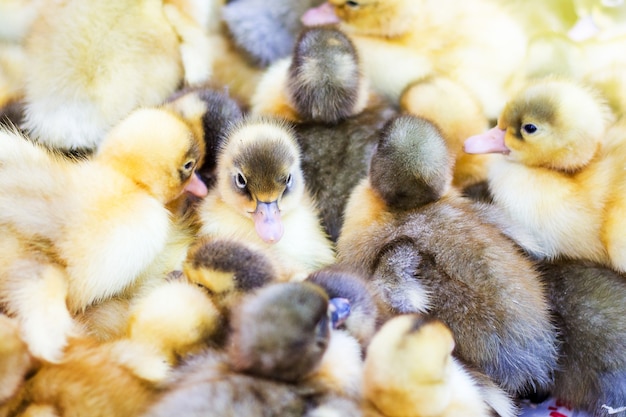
x=260, y=198
x=558, y=135
x=365, y=315
x=51, y=269
x=90, y=381
x=280, y=335
x=320, y=81
x=589, y=303
x=211, y=111
x=403, y=41
x=409, y=371
x=228, y=270
x=427, y=249
x=222, y=265
x=123, y=376
x=175, y=319
x=100, y=60
x=336, y=115
x=458, y=115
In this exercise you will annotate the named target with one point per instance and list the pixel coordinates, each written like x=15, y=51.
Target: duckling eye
x=529, y=128
x=189, y=165
x=352, y=3
x=240, y=180
x=289, y=180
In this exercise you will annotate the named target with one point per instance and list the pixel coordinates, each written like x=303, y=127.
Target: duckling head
x=552, y=123
x=411, y=166
x=414, y=335
x=209, y=111
x=259, y=174
x=281, y=331
x=410, y=352
x=325, y=83
x=224, y=266
x=389, y=18
x=158, y=151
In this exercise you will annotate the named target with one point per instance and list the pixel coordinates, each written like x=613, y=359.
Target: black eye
x=240, y=180
x=352, y=3
x=529, y=128
x=189, y=165
x=289, y=180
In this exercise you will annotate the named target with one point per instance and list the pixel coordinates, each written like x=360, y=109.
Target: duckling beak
x=492, y=141
x=321, y=15
x=267, y=221
x=338, y=310
x=196, y=186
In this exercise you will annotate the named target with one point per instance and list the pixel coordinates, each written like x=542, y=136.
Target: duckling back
x=96, y=62
x=429, y=250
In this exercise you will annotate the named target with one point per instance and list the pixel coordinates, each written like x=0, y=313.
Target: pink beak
x=196, y=186
x=267, y=221
x=320, y=15
x=492, y=141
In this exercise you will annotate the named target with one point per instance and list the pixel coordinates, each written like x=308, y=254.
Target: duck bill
x=338, y=310
x=321, y=15
x=196, y=186
x=492, y=141
x=267, y=221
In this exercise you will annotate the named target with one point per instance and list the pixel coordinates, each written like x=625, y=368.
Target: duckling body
x=92, y=380
x=122, y=376
x=403, y=41
x=409, y=370
x=228, y=269
x=562, y=150
x=260, y=198
x=459, y=115
x=336, y=115
x=589, y=304
x=98, y=61
x=280, y=338
x=56, y=268
x=430, y=250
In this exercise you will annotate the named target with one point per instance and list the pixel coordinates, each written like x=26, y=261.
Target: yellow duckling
x=402, y=41
x=561, y=175
x=77, y=233
x=260, y=198
x=409, y=371
x=121, y=377
x=92, y=63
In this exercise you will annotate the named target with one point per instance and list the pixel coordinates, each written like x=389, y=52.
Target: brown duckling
x=426, y=249
x=280, y=335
